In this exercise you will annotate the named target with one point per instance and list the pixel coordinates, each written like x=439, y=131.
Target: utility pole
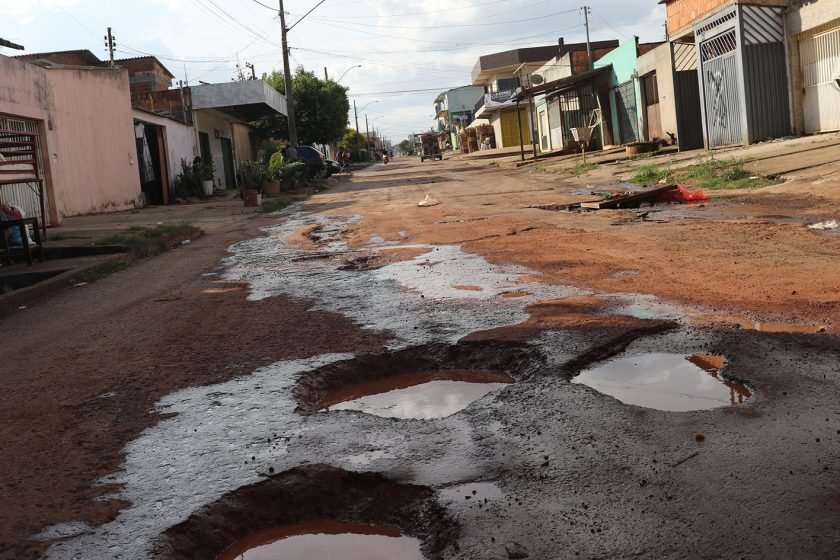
x=367, y=135
x=253, y=71
x=588, y=45
x=326, y=76
x=355, y=112
x=287, y=79
x=110, y=43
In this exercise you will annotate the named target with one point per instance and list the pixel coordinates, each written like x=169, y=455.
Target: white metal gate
x=25, y=195
x=722, y=92
x=820, y=60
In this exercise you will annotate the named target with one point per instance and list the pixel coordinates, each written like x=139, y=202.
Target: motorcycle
x=385, y=158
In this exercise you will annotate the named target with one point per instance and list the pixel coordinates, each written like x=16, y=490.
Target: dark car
x=313, y=157
x=332, y=167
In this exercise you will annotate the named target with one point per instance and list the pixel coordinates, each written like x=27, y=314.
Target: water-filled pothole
x=430, y=381
x=423, y=395
x=319, y=506
x=326, y=539
x=670, y=382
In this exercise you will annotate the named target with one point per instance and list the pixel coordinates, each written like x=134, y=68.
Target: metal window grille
x=730, y=15
x=719, y=46
x=820, y=58
x=25, y=195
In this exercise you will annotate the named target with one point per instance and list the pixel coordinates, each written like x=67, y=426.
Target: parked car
x=313, y=157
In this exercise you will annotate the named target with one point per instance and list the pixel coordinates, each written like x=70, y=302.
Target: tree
x=354, y=143
x=406, y=146
x=321, y=108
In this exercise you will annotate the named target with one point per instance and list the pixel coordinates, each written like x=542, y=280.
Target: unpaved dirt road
x=173, y=409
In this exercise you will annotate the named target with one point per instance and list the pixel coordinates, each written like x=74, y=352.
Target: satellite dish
x=536, y=79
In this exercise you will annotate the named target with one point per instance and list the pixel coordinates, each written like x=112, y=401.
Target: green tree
x=406, y=146
x=354, y=143
x=321, y=108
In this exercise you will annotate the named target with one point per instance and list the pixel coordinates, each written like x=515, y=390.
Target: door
x=689, y=116
x=721, y=90
x=545, y=144
x=820, y=61
x=510, y=129
x=556, y=123
x=650, y=97
x=625, y=106
x=204, y=146
x=227, y=163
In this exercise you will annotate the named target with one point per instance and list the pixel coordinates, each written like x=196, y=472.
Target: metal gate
x=820, y=59
x=576, y=108
x=625, y=106
x=25, y=195
x=722, y=92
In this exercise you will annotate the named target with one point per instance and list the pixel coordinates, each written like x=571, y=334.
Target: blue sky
x=408, y=51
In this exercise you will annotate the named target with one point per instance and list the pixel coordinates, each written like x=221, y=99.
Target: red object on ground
x=682, y=194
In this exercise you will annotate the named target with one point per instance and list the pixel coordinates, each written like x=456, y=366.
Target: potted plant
x=274, y=174
x=206, y=170
x=252, y=179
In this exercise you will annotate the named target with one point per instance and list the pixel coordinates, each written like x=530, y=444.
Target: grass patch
x=274, y=204
x=712, y=174
x=103, y=270
x=577, y=170
x=140, y=242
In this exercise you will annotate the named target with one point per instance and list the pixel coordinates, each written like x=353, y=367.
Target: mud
x=307, y=497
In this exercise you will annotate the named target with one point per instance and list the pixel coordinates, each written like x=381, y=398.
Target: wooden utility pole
x=326, y=76
x=10, y=45
x=110, y=43
x=287, y=79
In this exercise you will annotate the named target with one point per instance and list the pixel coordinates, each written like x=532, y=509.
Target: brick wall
x=68, y=58
x=167, y=102
x=682, y=13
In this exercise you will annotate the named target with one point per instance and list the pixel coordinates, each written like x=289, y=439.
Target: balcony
x=494, y=101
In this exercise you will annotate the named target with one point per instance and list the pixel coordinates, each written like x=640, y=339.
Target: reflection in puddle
x=478, y=491
x=324, y=540
x=671, y=382
x=420, y=395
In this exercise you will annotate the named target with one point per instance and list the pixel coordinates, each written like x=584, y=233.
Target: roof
x=147, y=57
x=561, y=84
x=85, y=54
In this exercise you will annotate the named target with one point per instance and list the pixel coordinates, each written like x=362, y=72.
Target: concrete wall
x=209, y=121
x=88, y=133
x=803, y=16
x=180, y=141
x=659, y=60
x=624, y=66
x=244, y=144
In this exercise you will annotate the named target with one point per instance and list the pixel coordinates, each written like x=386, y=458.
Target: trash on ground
x=628, y=199
x=428, y=201
x=682, y=194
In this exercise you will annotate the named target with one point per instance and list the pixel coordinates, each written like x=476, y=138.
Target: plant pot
x=207, y=187
x=251, y=197
x=272, y=188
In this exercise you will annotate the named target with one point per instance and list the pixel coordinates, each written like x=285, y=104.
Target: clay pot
x=251, y=197
x=272, y=188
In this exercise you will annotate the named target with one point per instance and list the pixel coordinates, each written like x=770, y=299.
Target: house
x=498, y=73
x=740, y=63
x=82, y=115
x=623, y=99
x=563, y=98
x=813, y=40
x=456, y=109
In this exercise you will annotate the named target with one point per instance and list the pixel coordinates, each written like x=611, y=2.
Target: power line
x=608, y=24
x=454, y=24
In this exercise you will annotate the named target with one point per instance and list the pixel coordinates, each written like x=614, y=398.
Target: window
x=507, y=84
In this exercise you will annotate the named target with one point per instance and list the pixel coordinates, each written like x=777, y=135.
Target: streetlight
x=357, y=113
x=345, y=72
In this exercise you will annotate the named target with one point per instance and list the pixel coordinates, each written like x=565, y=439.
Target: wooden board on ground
x=629, y=200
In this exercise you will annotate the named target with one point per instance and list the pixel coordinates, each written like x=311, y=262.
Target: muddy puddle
x=423, y=395
x=669, y=382
x=746, y=323
x=326, y=539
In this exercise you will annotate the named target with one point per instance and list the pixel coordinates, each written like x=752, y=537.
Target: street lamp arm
x=375, y=101
x=304, y=15
x=345, y=72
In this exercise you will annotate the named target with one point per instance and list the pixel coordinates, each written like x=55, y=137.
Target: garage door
x=510, y=129
x=820, y=59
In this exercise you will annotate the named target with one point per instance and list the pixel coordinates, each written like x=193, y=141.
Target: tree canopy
x=321, y=108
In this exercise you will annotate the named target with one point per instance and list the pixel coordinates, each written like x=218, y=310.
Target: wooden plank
x=629, y=200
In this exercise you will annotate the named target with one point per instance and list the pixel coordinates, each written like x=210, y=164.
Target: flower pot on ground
x=251, y=197
x=272, y=188
x=207, y=187
x=252, y=179
x=206, y=171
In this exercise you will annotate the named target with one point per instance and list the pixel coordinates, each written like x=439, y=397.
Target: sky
x=409, y=52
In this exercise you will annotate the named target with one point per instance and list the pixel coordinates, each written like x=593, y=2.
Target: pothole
x=315, y=511
x=669, y=382
x=326, y=539
x=430, y=381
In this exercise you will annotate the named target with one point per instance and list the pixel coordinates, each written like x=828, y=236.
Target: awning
x=246, y=101
x=560, y=85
